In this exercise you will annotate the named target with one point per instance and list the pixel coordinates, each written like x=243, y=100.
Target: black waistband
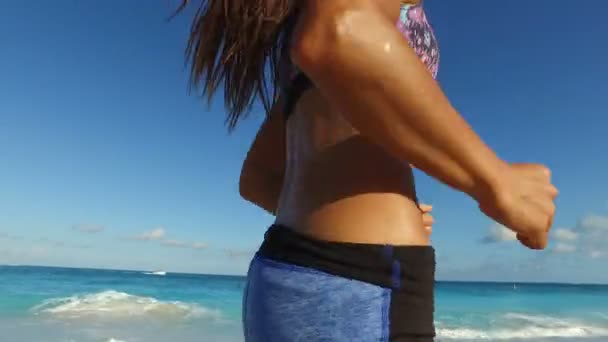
x=396, y=267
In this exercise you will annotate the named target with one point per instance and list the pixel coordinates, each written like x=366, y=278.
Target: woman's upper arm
x=362, y=64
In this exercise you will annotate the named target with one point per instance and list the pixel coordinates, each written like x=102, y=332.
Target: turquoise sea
x=41, y=304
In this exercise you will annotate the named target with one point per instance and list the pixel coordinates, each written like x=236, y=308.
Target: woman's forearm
x=364, y=66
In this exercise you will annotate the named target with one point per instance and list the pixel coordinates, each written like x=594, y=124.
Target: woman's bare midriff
x=341, y=187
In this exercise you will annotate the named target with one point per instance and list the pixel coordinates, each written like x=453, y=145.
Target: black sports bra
x=413, y=25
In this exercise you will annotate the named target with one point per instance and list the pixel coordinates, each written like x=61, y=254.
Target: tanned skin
x=375, y=110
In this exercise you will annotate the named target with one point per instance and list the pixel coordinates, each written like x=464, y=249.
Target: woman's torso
x=338, y=185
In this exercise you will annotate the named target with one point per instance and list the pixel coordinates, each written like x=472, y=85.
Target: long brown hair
x=239, y=43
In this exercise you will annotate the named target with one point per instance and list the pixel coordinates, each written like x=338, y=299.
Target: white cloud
x=45, y=241
x=159, y=235
x=154, y=234
x=7, y=236
x=597, y=254
x=240, y=253
x=88, y=228
x=589, y=238
x=183, y=244
x=17, y=255
x=499, y=233
x=593, y=231
x=174, y=243
x=564, y=248
x=596, y=223
x=565, y=235
x=199, y=245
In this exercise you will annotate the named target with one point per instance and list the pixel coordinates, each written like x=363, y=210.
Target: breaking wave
x=525, y=326
x=114, y=304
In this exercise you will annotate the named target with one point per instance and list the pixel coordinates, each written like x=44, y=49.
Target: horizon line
x=244, y=275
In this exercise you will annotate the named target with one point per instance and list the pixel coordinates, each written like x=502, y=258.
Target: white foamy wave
x=602, y=315
x=528, y=332
x=114, y=304
x=524, y=326
x=544, y=321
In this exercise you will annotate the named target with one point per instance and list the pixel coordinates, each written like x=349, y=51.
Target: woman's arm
x=264, y=167
x=360, y=61
x=362, y=64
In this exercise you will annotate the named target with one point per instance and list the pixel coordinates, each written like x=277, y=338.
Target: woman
x=355, y=104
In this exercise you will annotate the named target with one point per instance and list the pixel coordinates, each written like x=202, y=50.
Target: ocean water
x=72, y=305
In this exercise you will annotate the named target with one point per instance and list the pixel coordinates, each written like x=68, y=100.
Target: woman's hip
x=301, y=289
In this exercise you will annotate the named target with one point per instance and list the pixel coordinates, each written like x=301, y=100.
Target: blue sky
x=107, y=161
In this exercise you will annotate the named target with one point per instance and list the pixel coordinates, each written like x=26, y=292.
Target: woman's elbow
x=246, y=186
x=252, y=184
